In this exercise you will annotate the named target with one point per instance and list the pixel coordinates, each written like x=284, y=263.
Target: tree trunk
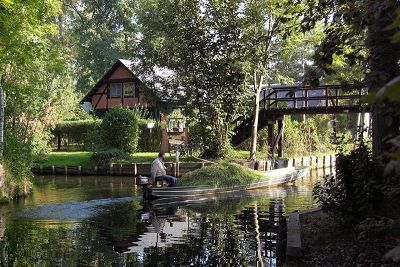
x=1, y=120
x=257, y=89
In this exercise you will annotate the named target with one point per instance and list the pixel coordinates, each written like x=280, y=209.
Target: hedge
x=81, y=133
x=75, y=131
x=149, y=140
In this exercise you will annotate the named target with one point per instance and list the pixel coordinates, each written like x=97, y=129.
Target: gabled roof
x=129, y=65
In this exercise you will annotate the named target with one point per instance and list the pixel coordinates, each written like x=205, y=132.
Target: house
x=121, y=86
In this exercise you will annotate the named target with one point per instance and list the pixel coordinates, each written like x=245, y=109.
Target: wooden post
x=41, y=169
x=65, y=170
x=280, y=141
x=79, y=170
x=111, y=169
x=120, y=169
x=134, y=169
x=270, y=137
x=53, y=171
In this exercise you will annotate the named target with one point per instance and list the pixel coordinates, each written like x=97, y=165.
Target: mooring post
x=53, y=171
x=65, y=170
x=111, y=169
x=95, y=169
x=79, y=170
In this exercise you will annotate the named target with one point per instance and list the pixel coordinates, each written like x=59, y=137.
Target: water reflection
x=237, y=230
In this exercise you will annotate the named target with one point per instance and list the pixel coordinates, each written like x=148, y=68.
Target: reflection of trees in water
x=246, y=238
x=38, y=243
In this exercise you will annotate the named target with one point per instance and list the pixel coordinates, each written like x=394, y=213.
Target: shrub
x=119, y=129
x=110, y=156
x=17, y=173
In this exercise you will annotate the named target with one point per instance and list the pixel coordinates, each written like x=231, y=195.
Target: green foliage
x=313, y=136
x=218, y=175
x=355, y=194
x=119, y=130
x=110, y=156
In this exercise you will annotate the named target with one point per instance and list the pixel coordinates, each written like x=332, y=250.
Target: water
x=102, y=221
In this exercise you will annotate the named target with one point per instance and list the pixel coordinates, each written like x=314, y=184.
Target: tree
x=36, y=83
x=100, y=32
x=264, y=21
x=198, y=42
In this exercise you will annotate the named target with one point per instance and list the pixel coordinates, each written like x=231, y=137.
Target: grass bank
x=223, y=174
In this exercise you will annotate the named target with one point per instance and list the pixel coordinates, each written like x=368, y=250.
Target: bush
x=355, y=194
x=17, y=168
x=110, y=156
x=119, y=130
x=77, y=131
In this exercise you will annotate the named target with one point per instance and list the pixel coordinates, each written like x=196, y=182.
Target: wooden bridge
x=277, y=101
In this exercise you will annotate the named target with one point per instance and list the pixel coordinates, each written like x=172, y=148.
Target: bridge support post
x=271, y=137
x=280, y=136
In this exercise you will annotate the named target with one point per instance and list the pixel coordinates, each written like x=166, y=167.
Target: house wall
x=101, y=101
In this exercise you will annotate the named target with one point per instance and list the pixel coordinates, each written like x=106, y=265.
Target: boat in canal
x=272, y=178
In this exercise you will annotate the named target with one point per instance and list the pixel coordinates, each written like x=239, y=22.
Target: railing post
x=306, y=98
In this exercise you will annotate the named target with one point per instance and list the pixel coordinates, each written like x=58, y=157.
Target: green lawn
x=82, y=158
x=76, y=158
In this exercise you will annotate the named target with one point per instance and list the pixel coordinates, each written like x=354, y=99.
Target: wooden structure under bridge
x=278, y=101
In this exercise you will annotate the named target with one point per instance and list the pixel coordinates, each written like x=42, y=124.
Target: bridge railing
x=298, y=97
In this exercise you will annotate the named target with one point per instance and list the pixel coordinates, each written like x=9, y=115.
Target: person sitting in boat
x=159, y=171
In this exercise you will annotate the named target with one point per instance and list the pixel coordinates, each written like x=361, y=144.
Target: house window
x=116, y=89
x=129, y=89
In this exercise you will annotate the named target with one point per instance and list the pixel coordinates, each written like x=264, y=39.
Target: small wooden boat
x=272, y=178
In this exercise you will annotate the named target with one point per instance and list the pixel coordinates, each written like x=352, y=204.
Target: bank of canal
x=90, y=221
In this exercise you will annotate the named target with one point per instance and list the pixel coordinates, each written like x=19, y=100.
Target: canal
x=102, y=221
